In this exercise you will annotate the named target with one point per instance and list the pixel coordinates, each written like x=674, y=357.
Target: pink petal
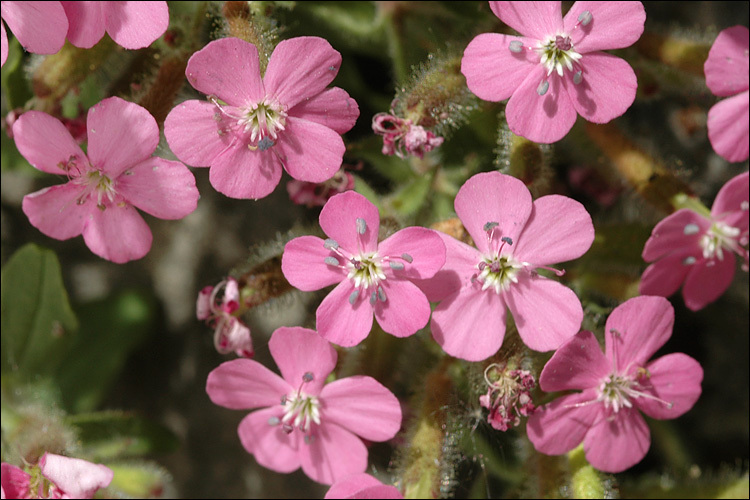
x=118, y=234
x=678, y=231
x=25, y=20
x=578, y=364
x=727, y=65
x=537, y=20
x=3, y=44
x=492, y=71
x=75, y=477
x=674, y=379
x=15, y=482
x=423, y=245
x=470, y=323
x=55, y=211
x=642, y=325
x=460, y=265
x=135, y=25
x=341, y=322
x=193, y=133
x=546, y=312
x=243, y=384
x=362, y=486
x=332, y=108
x=310, y=151
x=241, y=173
x=361, y=405
x=493, y=197
x=546, y=118
x=338, y=219
x=229, y=69
x=559, y=229
x=560, y=426
x=86, y=23
x=300, y=351
x=163, y=188
x=120, y=135
x=332, y=454
x=303, y=264
x=614, y=25
x=300, y=68
x=707, y=280
x=665, y=276
x=405, y=309
x=272, y=448
x=728, y=127
x=627, y=433
x=729, y=202
x=46, y=143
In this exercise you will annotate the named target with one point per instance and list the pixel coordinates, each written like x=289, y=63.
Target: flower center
x=300, y=410
x=615, y=392
x=365, y=270
x=96, y=185
x=718, y=238
x=262, y=120
x=498, y=272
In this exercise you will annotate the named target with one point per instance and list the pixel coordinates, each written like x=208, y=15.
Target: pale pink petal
x=120, y=135
x=493, y=197
x=470, y=323
x=578, y=364
x=303, y=264
x=707, y=280
x=533, y=19
x=341, y=322
x=460, y=265
x=135, y=25
x=727, y=65
x=299, y=352
x=272, y=448
x=163, y=188
x=118, y=233
x=405, y=309
x=675, y=379
x=614, y=25
x=55, y=211
x=546, y=312
x=546, y=118
x=241, y=173
x=26, y=19
x=300, y=68
x=332, y=454
x=46, y=143
x=728, y=127
x=560, y=426
x=193, y=133
x=492, y=71
x=3, y=46
x=665, y=276
x=607, y=89
x=730, y=204
x=86, y=23
x=423, y=245
x=338, y=219
x=641, y=326
x=627, y=433
x=680, y=230
x=75, y=477
x=229, y=69
x=361, y=405
x=362, y=486
x=332, y=108
x=15, y=482
x=310, y=151
x=559, y=229
x=243, y=384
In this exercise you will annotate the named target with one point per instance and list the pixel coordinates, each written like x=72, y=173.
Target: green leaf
x=412, y=196
x=15, y=85
x=139, y=480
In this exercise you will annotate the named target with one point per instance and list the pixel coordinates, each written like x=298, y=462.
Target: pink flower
x=252, y=127
x=513, y=237
x=508, y=397
x=371, y=278
x=697, y=251
x=316, y=194
x=116, y=174
x=615, y=386
x=727, y=75
x=61, y=477
x=362, y=486
x=304, y=423
x=40, y=27
x=399, y=134
x=230, y=333
x=555, y=69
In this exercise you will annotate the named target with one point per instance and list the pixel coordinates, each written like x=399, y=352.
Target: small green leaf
x=412, y=196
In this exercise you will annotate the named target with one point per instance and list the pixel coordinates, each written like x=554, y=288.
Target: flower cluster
x=55, y=476
x=401, y=135
x=508, y=396
x=230, y=333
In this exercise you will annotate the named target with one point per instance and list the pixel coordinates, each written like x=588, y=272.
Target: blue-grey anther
x=543, y=87
x=332, y=261
x=396, y=266
x=688, y=261
x=309, y=438
x=361, y=226
x=381, y=294
x=507, y=240
x=283, y=399
x=331, y=244
x=488, y=226
x=308, y=377
x=273, y=421
x=265, y=144
x=691, y=229
x=373, y=297
x=516, y=46
x=578, y=77
x=585, y=17
x=353, y=297
x=408, y=258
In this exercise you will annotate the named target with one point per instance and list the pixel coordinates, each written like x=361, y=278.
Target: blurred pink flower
x=399, y=135
x=40, y=27
x=64, y=477
x=133, y=25
x=372, y=278
x=230, y=333
x=304, y=422
x=697, y=251
x=252, y=127
x=117, y=174
x=727, y=75
x=362, y=486
x=555, y=71
x=615, y=385
x=316, y=194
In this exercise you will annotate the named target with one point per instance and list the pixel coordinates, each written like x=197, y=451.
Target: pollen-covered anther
x=516, y=46
x=585, y=18
x=543, y=87
x=361, y=226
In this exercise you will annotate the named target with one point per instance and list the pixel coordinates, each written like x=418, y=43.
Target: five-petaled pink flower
x=40, y=27
x=616, y=385
x=513, y=237
x=697, y=251
x=253, y=126
x=727, y=75
x=230, y=333
x=555, y=69
x=303, y=421
x=362, y=486
x=116, y=174
x=372, y=278
x=61, y=477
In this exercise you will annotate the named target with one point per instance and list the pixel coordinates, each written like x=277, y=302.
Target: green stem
x=585, y=481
